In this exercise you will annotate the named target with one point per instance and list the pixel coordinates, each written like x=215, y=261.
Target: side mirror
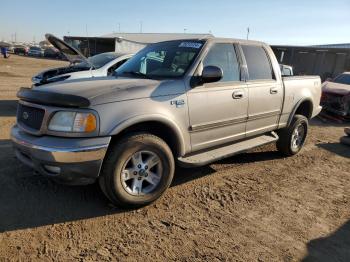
x=211, y=74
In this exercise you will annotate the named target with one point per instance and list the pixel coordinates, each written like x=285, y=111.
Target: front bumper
x=75, y=161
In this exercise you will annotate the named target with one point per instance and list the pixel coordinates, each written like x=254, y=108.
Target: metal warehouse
x=123, y=42
x=325, y=60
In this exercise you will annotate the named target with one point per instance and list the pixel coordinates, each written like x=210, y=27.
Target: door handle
x=273, y=90
x=237, y=95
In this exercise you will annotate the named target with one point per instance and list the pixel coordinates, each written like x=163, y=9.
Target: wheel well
x=156, y=128
x=305, y=109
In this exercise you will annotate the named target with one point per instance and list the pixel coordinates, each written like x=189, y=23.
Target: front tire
x=292, y=138
x=137, y=170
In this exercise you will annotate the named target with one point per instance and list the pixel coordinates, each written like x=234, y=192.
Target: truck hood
x=101, y=90
x=336, y=88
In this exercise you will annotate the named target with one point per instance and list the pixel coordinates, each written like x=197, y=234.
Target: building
x=123, y=42
x=325, y=60
x=334, y=46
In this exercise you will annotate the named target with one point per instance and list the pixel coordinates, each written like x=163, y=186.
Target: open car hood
x=72, y=54
x=336, y=88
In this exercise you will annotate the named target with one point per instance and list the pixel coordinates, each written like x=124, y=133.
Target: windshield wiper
x=137, y=74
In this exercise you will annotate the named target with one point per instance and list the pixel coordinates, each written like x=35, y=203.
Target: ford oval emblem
x=25, y=115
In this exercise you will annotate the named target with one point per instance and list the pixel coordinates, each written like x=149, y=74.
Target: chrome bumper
x=70, y=160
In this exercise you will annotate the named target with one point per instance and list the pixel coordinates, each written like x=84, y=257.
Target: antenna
x=88, y=41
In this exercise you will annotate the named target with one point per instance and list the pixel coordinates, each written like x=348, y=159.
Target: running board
x=216, y=154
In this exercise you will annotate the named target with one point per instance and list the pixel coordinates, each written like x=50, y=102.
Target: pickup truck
x=186, y=102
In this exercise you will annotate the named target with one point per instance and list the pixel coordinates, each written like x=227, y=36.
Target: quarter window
x=259, y=66
x=224, y=56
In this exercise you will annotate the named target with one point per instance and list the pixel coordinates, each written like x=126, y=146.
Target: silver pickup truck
x=185, y=102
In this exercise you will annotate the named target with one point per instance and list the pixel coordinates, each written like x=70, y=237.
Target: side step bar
x=207, y=157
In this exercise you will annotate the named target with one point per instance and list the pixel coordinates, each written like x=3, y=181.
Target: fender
x=153, y=117
x=296, y=108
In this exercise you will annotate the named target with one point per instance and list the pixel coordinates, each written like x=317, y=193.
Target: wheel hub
x=141, y=173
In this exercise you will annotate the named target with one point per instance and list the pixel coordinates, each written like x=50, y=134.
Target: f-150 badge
x=178, y=103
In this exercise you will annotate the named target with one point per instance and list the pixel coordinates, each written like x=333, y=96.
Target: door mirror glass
x=211, y=74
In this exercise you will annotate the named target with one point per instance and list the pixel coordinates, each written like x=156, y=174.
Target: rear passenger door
x=265, y=92
x=218, y=111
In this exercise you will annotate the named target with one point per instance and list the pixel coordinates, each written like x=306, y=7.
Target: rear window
x=259, y=66
x=342, y=79
x=101, y=59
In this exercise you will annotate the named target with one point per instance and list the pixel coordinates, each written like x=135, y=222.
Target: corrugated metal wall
x=127, y=46
x=314, y=61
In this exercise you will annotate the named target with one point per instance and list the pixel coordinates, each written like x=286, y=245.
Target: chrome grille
x=31, y=117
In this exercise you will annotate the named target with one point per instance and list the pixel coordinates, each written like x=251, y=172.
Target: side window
x=115, y=67
x=224, y=56
x=259, y=66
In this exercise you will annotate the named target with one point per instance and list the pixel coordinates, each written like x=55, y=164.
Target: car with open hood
x=80, y=66
x=336, y=95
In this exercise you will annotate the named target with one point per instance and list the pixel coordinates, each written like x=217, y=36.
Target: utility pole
x=185, y=30
x=140, y=26
x=248, y=31
x=88, y=41
x=119, y=27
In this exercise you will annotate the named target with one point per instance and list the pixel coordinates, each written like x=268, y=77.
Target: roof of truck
x=148, y=38
x=219, y=39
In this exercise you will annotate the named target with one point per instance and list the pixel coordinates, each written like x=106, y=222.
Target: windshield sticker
x=190, y=45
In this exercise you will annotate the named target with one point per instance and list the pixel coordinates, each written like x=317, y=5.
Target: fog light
x=55, y=170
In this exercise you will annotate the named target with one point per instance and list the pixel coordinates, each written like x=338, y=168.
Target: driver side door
x=218, y=111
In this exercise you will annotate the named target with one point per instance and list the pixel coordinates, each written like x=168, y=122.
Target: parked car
x=190, y=102
x=35, y=51
x=81, y=67
x=21, y=50
x=336, y=95
x=11, y=49
x=52, y=52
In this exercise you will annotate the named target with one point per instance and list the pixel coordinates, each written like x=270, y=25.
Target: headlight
x=65, y=121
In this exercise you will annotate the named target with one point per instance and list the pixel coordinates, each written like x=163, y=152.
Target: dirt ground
x=252, y=207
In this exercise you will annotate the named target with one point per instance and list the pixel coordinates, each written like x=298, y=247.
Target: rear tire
x=137, y=170
x=292, y=138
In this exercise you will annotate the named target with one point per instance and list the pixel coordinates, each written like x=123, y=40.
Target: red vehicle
x=21, y=50
x=336, y=95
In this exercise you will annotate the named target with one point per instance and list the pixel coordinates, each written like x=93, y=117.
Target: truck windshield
x=162, y=60
x=342, y=79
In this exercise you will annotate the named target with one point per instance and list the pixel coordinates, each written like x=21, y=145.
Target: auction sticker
x=190, y=45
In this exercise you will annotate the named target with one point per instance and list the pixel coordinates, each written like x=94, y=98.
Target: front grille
x=31, y=117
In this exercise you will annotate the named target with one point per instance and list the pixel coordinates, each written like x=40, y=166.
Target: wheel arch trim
x=292, y=114
x=139, y=119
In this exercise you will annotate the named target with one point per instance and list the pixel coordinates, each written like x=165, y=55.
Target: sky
x=293, y=22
